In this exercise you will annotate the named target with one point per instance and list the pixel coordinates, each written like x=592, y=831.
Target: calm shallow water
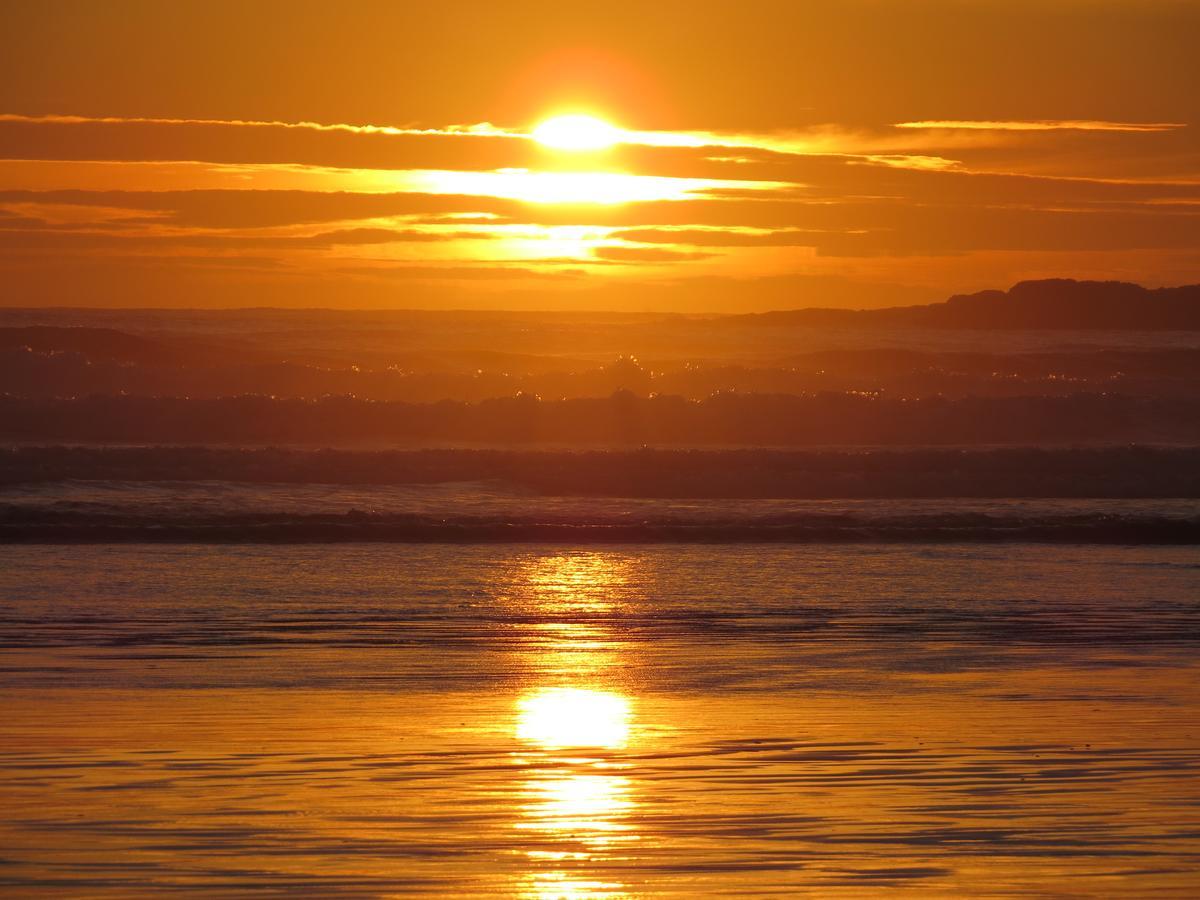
x=545, y=722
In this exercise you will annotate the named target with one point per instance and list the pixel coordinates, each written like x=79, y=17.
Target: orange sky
x=767, y=155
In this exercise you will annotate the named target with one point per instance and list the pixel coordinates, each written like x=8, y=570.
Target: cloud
x=300, y=190
x=720, y=237
x=321, y=158
x=264, y=209
x=940, y=218
x=873, y=228
x=1041, y=125
x=353, y=147
x=387, y=236
x=481, y=128
x=458, y=273
x=647, y=255
x=55, y=238
x=107, y=130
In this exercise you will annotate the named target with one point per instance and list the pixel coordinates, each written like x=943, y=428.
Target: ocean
x=595, y=607
x=548, y=720
x=496, y=511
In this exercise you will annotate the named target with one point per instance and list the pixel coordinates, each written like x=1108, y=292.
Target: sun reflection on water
x=576, y=808
x=575, y=582
x=557, y=886
x=587, y=806
x=578, y=796
x=559, y=718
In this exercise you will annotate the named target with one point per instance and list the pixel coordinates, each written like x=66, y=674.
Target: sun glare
x=574, y=717
x=607, y=188
x=577, y=133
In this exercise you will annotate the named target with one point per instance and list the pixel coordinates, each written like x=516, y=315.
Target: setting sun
x=577, y=132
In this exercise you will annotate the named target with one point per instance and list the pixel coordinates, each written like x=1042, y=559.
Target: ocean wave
x=52, y=526
x=1113, y=471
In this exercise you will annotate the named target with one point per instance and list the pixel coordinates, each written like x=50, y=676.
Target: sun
x=577, y=132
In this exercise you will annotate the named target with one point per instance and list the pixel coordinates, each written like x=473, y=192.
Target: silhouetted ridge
x=1066, y=303
x=93, y=343
x=1055, y=303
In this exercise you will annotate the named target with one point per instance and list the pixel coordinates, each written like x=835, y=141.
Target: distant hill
x=1056, y=303
x=122, y=347
x=94, y=343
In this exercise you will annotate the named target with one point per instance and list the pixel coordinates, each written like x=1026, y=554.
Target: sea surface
x=564, y=721
x=499, y=511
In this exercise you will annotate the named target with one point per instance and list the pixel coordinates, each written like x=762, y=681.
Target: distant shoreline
x=1147, y=531
x=1054, y=304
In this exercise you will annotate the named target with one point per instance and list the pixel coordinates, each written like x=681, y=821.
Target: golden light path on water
x=557, y=718
x=576, y=799
x=633, y=722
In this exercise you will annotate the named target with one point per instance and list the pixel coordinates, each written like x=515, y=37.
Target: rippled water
x=556, y=722
x=168, y=501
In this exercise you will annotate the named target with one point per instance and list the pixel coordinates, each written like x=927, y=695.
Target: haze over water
x=547, y=721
